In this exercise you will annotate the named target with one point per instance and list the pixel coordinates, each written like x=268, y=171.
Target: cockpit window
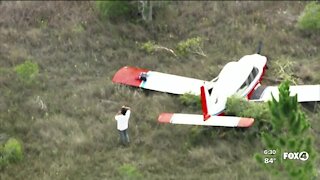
x=255, y=71
x=243, y=85
x=249, y=80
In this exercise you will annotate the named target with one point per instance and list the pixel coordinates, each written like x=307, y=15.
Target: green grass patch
x=129, y=172
x=11, y=152
x=76, y=137
x=310, y=18
x=27, y=72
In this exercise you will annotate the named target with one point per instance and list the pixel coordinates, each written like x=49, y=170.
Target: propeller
x=259, y=47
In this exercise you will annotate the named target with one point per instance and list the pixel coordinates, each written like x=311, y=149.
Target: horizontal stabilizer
x=194, y=119
x=306, y=93
x=157, y=81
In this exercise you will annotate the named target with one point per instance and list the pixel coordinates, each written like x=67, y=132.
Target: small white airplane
x=242, y=77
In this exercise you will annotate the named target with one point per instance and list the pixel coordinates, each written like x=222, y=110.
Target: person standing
x=122, y=118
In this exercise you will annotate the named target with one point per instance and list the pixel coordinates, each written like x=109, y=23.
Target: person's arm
x=119, y=112
x=116, y=117
x=128, y=114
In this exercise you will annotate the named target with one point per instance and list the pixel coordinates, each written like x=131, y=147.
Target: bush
x=10, y=152
x=188, y=99
x=149, y=46
x=310, y=18
x=290, y=133
x=27, y=72
x=239, y=106
x=284, y=69
x=115, y=8
x=192, y=45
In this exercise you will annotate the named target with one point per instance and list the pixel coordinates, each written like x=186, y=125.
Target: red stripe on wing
x=129, y=76
x=165, y=117
x=245, y=122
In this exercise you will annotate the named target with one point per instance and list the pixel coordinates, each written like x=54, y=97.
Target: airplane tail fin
x=206, y=96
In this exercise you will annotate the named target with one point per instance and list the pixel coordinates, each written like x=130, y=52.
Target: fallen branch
x=272, y=80
x=157, y=47
x=200, y=52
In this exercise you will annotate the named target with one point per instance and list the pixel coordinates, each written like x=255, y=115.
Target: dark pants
x=124, y=137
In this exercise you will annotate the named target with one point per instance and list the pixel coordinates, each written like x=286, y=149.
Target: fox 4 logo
x=303, y=156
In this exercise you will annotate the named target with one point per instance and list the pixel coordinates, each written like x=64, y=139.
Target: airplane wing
x=306, y=93
x=195, y=119
x=157, y=81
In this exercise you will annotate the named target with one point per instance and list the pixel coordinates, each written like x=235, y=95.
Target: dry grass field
x=65, y=120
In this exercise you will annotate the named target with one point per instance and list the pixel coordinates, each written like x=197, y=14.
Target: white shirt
x=123, y=120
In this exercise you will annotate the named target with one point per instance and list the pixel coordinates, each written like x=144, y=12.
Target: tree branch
x=157, y=47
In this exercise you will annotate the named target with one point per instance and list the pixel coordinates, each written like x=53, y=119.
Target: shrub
x=310, y=18
x=144, y=9
x=188, y=99
x=149, y=46
x=192, y=45
x=115, y=8
x=27, y=72
x=10, y=152
x=290, y=133
x=128, y=171
x=284, y=69
x=239, y=106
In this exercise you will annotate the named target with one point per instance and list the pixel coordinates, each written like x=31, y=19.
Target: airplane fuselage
x=238, y=77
